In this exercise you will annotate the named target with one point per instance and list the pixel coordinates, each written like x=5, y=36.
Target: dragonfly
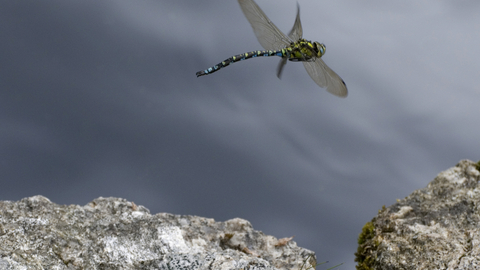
x=292, y=47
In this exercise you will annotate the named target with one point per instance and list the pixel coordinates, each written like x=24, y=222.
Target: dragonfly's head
x=319, y=48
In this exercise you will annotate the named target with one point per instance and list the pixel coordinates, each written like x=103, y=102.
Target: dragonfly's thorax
x=304, y=50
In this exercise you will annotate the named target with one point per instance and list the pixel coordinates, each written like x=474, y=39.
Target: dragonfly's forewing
x=297, y=32
x=269, y=36
x=325, y=77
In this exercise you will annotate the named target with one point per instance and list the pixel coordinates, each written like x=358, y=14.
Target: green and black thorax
x=304, y=50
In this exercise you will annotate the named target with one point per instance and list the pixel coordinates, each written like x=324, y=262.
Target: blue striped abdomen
x=240, y=57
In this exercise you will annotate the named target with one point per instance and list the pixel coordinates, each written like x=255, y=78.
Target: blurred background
x=100, y=98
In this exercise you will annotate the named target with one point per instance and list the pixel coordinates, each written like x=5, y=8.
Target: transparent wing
x=280, y=67
x=325, y=77
x=269, y=36
x=297, y=32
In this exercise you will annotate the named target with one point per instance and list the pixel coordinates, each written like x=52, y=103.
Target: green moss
x=368, y=232
x=365, y=245
x=478, y=165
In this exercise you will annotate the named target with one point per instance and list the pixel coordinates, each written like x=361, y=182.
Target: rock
x=113, y=233
x=436, y=227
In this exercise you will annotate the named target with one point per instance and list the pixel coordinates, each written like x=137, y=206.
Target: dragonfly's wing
x=325, y=77
x=280, y=67
x=296, y=33
x=269, y=36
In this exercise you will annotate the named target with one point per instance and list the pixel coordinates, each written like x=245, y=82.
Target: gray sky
x=100, y=98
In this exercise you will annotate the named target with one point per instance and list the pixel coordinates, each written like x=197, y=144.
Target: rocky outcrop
x=437, y=227
x=112, y=233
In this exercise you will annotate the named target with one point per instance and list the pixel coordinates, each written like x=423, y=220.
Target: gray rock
x=437, y=227
x=112, y=233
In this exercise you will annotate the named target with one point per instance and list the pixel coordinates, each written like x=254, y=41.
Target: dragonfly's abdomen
x=243, y=56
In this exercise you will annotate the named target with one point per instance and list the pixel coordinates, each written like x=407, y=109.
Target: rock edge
x=113, y=233
x=436, y=227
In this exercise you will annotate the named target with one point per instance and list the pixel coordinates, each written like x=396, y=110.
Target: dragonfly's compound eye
x=320, y=48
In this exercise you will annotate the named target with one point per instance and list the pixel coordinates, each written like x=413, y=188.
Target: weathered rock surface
x=437, y=227
x=112, y=233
